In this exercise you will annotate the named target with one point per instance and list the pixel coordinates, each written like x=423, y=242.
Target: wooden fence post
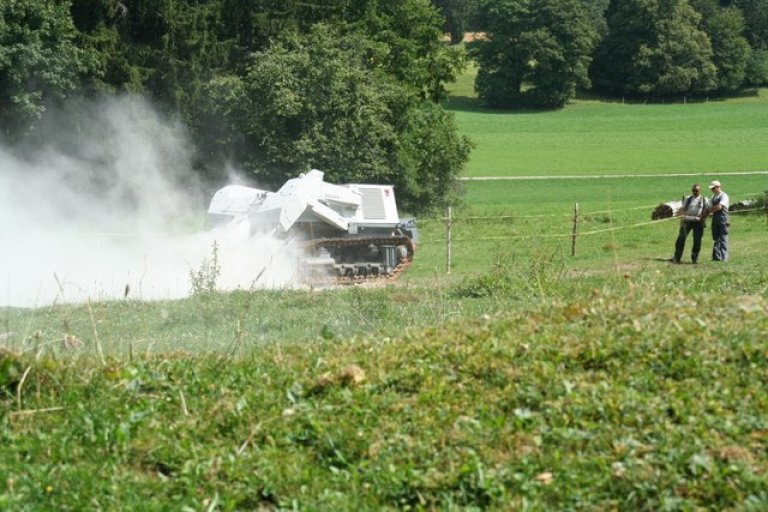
x=448, y=242
x=573, y=233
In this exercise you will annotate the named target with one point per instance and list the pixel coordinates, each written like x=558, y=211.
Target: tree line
x=538, y=53
x=272, y=87
x=354, y=87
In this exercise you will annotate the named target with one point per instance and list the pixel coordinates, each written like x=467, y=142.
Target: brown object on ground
x=352, y=375
x=666, y=210
x=747, y=204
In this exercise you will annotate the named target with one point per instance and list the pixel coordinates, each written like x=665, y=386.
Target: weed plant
x=204, y=279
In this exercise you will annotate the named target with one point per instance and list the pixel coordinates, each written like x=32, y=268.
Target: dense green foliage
x=460, y=17
x=249, y=81
x=730, y=48
x=756, y=31
x=756, y=15
x=322, y=99
x=654, y=47
x=536, y=53
x=40, y=61
x=648, y=48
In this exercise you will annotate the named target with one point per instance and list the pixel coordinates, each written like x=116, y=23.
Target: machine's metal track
x=329, y=280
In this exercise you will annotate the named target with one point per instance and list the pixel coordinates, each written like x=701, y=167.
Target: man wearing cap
x=719, y=212
x=693, y=214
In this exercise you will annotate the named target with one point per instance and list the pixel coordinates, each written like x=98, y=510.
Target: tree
x=501, y=58
x=595, y=10
x=536, y=53
x=562, y=48
x=756, y=26
x=248, y=81
x=681, y=61
x=103, y=27
x=756, y=31
x=411, y=31
x=40, y=62
x=429, y=156
x=654, y=47
x=756, y=74
x=314, y=101
x=730, y=48
x=458, y=15
x=401, y=50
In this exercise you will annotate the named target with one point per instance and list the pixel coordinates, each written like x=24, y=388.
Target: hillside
x=629, y=396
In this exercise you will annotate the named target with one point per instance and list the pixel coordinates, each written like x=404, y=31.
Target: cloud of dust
x=113, y=211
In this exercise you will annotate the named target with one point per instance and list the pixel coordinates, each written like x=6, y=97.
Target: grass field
x=533, y=218
x=526, y=379
x=596, y=137
x=596, y=147
x=628, y=397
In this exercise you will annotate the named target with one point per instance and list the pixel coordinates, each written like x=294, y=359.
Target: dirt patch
x=470, y=37
x=467, y=38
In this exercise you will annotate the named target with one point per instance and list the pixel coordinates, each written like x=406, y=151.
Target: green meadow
x=530, y=218
x=594, y=137
x=608, y=138
x=524, y=377
x=614, y=161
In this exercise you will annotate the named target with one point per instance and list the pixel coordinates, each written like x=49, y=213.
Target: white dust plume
x=113, y=211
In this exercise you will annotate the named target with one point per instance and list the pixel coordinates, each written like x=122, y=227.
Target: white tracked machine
x=349, y=233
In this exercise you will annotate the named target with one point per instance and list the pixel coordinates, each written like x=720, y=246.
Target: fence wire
x=458, y=220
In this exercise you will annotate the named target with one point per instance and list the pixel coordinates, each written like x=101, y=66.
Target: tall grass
x=628, y=393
